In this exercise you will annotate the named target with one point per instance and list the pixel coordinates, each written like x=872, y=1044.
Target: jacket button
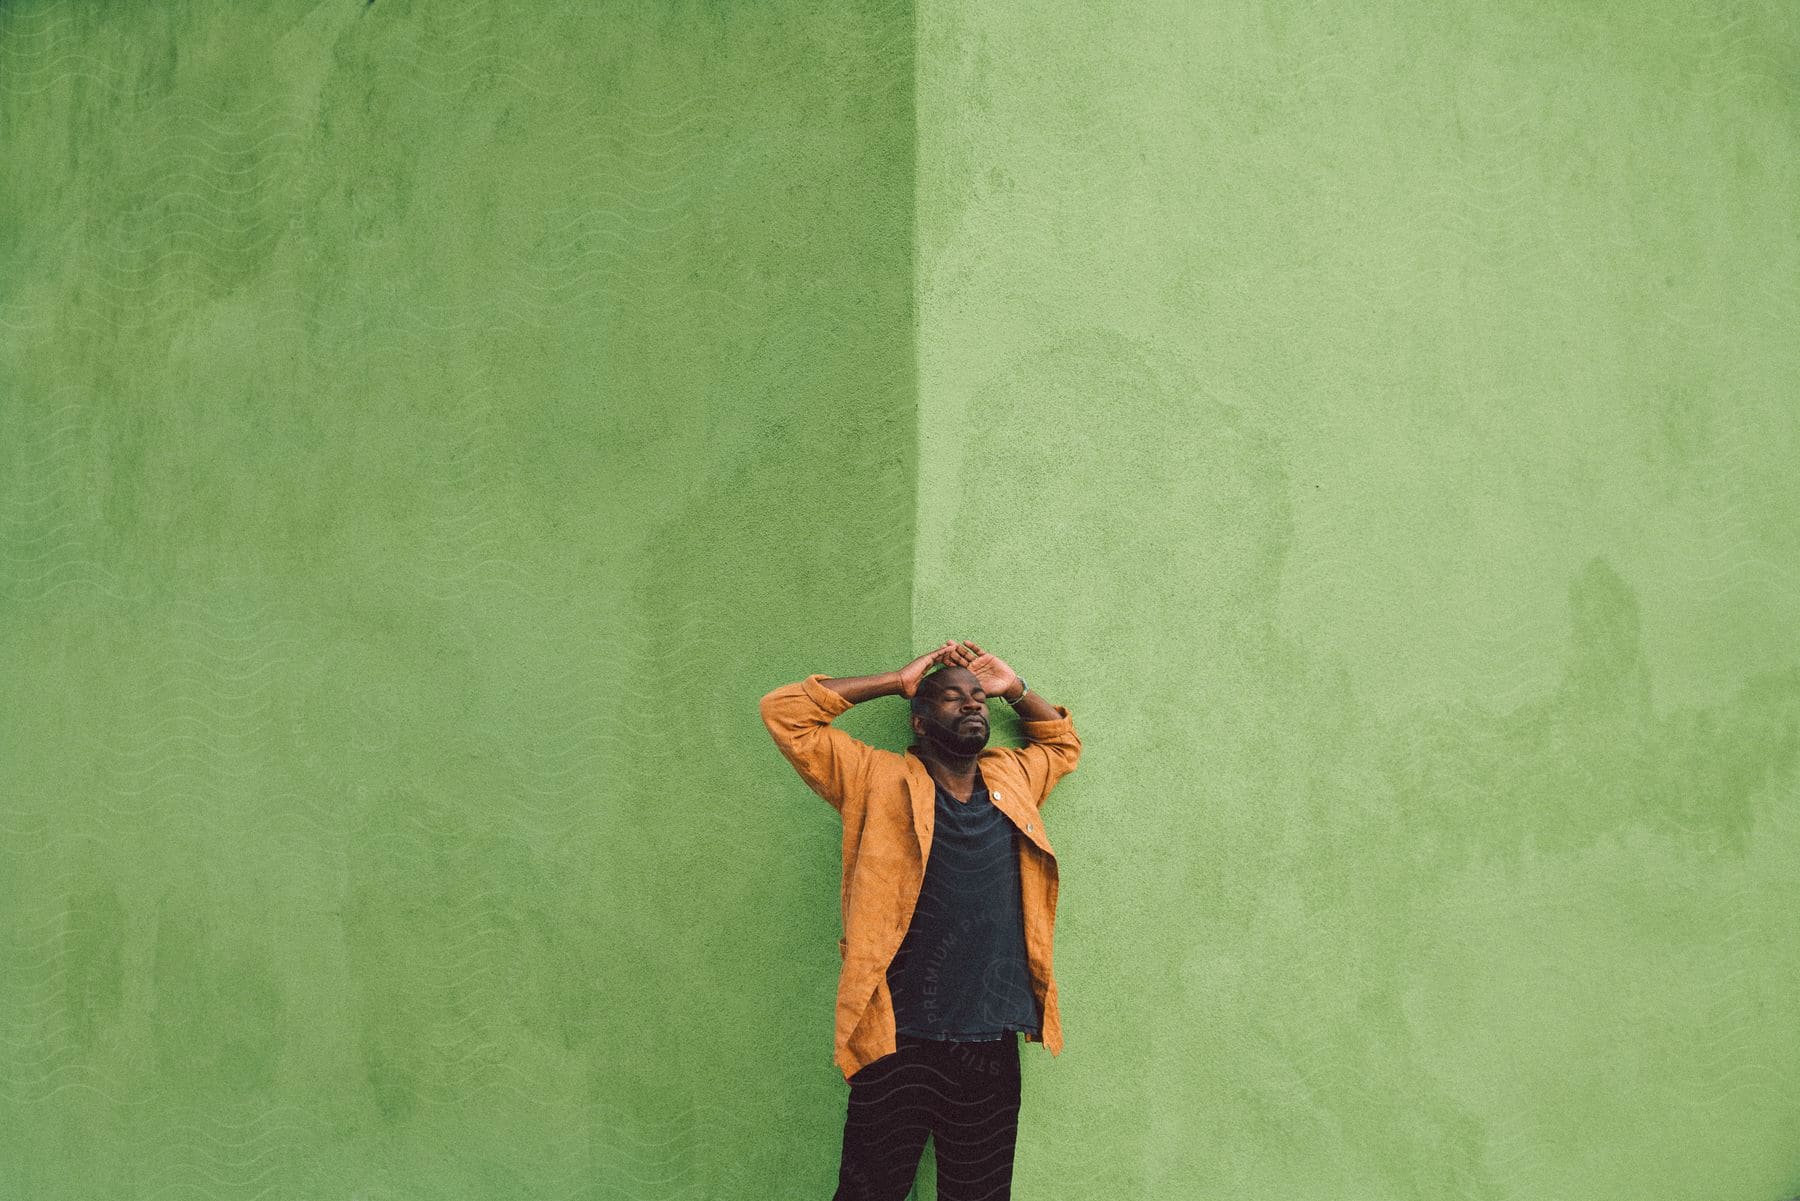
x=997, y=795
x=1027, y=827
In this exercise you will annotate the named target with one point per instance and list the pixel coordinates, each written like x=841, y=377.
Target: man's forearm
x=857, y=689
x=1032, y=707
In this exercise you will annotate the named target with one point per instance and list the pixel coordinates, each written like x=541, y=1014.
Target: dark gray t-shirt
x=961, y=972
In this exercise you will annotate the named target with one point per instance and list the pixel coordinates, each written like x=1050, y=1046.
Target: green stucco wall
x=1380, y=428
x=426, y=430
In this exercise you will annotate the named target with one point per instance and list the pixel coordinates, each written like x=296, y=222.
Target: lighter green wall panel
x=424, y=435
x=1378, y=428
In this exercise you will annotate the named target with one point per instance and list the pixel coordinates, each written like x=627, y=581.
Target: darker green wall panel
x=425, y=436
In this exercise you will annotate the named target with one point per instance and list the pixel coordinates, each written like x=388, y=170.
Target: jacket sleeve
x=1051, y=752
x=799, y=719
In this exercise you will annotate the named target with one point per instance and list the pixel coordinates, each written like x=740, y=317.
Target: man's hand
x=995, y=677
x=913, y=672
x=905, y=682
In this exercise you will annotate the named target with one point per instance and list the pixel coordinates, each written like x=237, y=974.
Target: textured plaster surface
x=425, y=430
x=1378, y=427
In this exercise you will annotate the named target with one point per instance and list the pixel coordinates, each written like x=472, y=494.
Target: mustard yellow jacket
x=888, y=805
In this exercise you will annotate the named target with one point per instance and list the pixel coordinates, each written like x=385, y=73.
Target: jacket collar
x=922, y=791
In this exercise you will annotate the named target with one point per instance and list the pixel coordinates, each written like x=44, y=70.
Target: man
x=949, y=903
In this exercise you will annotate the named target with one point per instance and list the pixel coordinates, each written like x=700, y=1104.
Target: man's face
x=955, y=718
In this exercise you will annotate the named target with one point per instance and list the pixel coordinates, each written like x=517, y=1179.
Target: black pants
x=964, y=1094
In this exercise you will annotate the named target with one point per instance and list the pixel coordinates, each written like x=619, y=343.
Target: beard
x=955, y=739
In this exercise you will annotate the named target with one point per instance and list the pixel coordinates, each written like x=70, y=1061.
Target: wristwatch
x=1023, y=689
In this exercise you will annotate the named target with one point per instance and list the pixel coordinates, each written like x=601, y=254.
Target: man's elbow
x=776, y=708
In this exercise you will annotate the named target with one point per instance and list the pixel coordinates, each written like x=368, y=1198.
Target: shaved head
x=949, y=714
x=932, y=686
x=934, y=683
